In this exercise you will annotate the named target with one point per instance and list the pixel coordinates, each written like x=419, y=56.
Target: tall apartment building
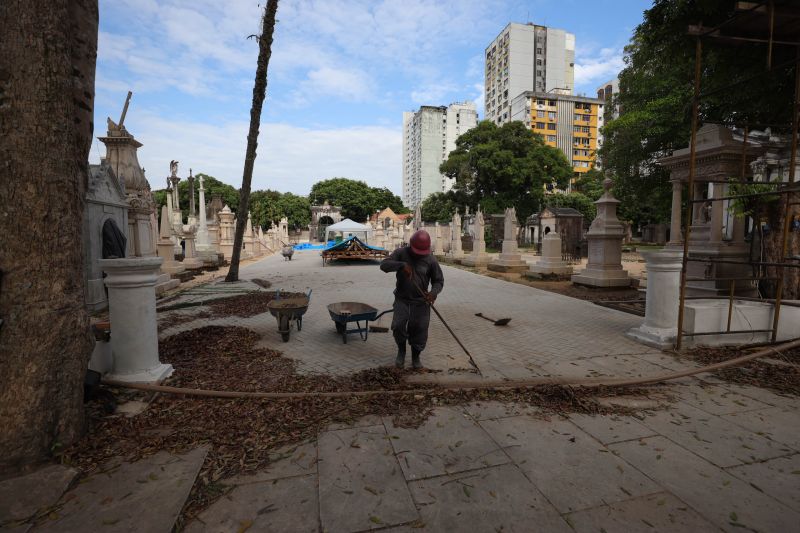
x=429, y=135
x=570, y=123
x=605, y=92
x=526, y=57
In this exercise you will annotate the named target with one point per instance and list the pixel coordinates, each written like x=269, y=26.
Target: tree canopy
x=655, y=99
x=505, y=166
x=357, y=199
x=440, y=206
x=265, y=205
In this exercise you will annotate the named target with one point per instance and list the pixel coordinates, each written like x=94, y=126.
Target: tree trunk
x=47, y=69
x=259, y=93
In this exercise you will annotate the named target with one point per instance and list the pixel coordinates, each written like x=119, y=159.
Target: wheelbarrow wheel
x=340, y=327
x=299, y=323
x=283, y=327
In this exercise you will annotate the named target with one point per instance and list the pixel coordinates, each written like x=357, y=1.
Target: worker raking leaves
x=417, y=269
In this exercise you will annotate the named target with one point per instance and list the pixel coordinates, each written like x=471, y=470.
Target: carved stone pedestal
x=132, y=314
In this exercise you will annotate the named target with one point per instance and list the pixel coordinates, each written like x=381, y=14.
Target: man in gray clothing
x=416, y=269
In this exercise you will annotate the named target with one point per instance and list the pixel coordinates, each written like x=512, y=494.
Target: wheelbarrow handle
x=383, y=313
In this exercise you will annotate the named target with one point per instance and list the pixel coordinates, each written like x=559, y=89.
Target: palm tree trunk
x=47, y=70
x=259, y=93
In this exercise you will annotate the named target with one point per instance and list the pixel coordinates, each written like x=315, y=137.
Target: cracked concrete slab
x=286, y=505
x=713, y=438
x=115, y=500
x=493, y=499
x=568, y=466
x=361, y=485
x=654, y=512
x=723, y=499
x=449, y=441
x=23, y=496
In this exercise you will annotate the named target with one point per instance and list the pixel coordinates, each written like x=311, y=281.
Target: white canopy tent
x=348, y=228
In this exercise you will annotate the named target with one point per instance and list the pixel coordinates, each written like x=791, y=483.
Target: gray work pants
x=410, y=323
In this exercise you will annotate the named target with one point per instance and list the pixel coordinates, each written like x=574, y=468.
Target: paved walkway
x=721, y=457
x=725, y=458
x=549, y=334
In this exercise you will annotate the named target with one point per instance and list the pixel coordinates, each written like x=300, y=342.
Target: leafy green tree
x=440, y=206
x=357, y=199
x=655, y=99
x=578, y=201
x=264, y=207
x=505, y=166
x=383, y=198
x=590, y=184
x=230, y=195
x=297, y=209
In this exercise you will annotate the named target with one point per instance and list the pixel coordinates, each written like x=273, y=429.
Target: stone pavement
x=719, y=457
x=722, y=458
x=549, y=335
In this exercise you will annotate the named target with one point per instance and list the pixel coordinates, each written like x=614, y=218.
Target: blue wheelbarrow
x=344, y=313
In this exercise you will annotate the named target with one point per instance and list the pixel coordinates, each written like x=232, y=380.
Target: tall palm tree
x=259, y=93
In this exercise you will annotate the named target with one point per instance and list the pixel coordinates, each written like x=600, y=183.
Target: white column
x=675, y=236
x=663, y=292
x=716, y=212
x=203, y=243
x=132, y=313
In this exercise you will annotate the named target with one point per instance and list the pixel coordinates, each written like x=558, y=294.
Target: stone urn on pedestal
x=604, y=267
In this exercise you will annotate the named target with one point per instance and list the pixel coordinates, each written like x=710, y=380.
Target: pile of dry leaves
x=779, y=372
x=241, y=433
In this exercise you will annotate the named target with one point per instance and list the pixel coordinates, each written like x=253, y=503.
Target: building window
x=551, y=115
x=540, y=125
x=551, y=138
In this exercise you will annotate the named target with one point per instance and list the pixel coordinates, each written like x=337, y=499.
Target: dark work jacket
x=426, y=272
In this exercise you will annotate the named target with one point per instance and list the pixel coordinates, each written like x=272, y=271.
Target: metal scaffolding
x=774, y=23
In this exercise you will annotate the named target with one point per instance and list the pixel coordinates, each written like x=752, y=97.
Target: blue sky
x=341, y=74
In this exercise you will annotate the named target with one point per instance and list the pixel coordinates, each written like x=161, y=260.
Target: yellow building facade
x=570, y=123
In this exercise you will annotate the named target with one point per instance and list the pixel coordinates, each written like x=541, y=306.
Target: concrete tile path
x=722, y=457
x=549, y=334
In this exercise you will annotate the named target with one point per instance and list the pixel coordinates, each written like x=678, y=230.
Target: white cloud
x=290, y=158
x=348, y=84
x=597, y=66
x=479, y=100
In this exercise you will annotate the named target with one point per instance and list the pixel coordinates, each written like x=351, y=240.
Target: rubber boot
x=415, y=362
x=400, y=360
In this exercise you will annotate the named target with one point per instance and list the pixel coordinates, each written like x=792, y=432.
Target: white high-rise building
x=429, y=135
x=526, y=57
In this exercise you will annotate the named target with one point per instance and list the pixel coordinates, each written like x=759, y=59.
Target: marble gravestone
x=510, y=259
x=456, y=251
x=478, y=257
x=551, y=265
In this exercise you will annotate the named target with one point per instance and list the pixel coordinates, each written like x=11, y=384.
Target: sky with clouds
x=341, y=74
